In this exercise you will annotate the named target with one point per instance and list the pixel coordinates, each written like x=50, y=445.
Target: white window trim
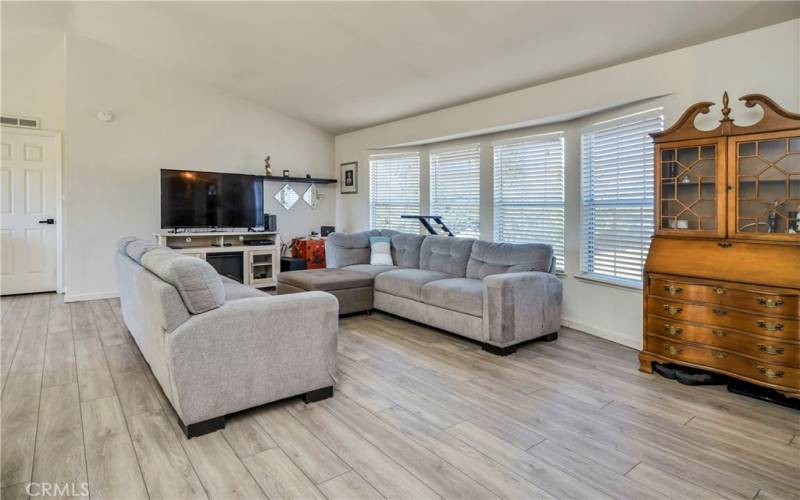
x=588, y=276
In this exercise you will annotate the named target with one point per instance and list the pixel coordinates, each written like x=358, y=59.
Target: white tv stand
x=260, y=263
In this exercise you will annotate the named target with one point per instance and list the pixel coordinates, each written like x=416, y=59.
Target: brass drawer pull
x=673, y=330
x=672, y=349
x=718, y=290
x=673, y=310
x=770, y=349
x=771, y=303
x=770, y=373
x=719, y=354
x=724, y=244
x=770, y=327
x=719, y=312
x=673, y=290
x=719, y=333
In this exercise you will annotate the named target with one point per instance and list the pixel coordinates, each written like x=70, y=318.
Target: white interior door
x=29, y=163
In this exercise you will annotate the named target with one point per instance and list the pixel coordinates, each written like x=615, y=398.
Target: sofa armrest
x=520, y=306
x=252, y=351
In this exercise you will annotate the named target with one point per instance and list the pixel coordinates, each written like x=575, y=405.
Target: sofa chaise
x=216, y=346
x=499, y=294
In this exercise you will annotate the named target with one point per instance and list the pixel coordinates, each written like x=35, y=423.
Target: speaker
x=270, y=223
x=326, y=230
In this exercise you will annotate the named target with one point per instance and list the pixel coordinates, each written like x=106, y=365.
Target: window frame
x=630, y=118
x=371, y=201
x=432, y=190
x=559, y=135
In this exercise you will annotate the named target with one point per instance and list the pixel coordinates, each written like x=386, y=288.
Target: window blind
x=617, y=196
x=456, y=189
x=529, y=192
x=394, y=191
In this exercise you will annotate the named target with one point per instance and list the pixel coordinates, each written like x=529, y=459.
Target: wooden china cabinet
x=722, y=279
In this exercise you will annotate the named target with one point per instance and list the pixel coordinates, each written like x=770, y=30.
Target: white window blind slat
x=394, y=191
x=455, y=189
x=617, y=197
x=529, y=192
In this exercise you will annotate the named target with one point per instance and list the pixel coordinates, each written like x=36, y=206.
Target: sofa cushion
x=489, y=258
x=369, y=269
x=325, y=279
x=445, y=254
x=235, y=290
x=123, y=242
x=343, y=249
x=137, y=248
x=197, y=282
x=462, y=295
x=406, y=283
x=405, y=249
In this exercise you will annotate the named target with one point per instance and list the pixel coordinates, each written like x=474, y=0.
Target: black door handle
x=47, y=221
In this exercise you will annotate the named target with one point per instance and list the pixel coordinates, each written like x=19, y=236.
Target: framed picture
x=348, y=177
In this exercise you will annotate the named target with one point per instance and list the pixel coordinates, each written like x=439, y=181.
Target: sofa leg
x=550, y=337
x=204, y=427
x=499, y=351
x=318, y=395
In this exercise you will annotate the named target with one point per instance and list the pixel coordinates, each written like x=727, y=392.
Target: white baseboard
x=603, y=334
x=80, y=297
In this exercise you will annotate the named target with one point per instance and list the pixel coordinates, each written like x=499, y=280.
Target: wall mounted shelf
x=309, y=180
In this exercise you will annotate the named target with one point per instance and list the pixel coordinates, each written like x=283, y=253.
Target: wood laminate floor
x=416, y=414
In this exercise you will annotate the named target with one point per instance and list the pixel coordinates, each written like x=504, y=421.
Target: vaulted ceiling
x=347, y=65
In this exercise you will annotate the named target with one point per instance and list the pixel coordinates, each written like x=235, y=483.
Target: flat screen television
x=192, y=199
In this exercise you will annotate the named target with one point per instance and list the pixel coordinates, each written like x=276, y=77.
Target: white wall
x=763, y=61
x=33, y=77
x=164, y=120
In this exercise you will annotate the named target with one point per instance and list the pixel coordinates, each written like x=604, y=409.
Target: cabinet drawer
x=762, y=301
x=709, y=357
x=715, y=315
x=763, y=348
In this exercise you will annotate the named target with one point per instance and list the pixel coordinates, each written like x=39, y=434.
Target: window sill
x=610, y=282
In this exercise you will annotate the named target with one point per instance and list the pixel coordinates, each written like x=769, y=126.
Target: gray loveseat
x=216, y=346
x=499, y=294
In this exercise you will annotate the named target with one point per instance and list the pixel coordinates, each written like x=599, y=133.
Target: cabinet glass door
x=766, y=181
x=690, y=189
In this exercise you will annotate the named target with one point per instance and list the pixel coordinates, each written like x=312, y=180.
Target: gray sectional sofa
x=499, y=294
x=216, y=346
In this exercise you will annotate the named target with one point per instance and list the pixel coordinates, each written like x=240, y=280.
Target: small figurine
x=793, y=220
x=268, y=166
x=772, y=220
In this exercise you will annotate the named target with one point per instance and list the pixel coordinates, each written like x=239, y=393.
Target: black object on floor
x=691, y=376
x=756, y=391
x=688, y=376
x=499, y=351
x=665, y=370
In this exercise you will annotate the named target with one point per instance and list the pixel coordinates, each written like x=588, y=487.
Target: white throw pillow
x=381, y=251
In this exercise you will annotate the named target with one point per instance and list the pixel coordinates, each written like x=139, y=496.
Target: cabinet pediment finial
x=726, y=110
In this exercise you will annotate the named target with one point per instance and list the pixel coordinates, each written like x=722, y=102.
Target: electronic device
x=258, y=243
x=191, y=199
x=270, y=223
x=326, y=230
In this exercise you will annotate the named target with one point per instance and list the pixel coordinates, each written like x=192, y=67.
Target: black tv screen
x=210, y=200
